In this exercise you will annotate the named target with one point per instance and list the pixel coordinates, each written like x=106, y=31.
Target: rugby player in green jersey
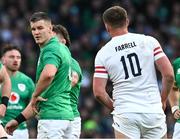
x=63, y=36
x=22, y=89
x=5, y=85
x=174, y=98
x=53, y=83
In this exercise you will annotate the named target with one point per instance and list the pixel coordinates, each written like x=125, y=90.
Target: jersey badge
x=21, y=87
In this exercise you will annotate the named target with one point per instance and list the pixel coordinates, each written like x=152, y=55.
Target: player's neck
x=118, y=32
x=45, y=42
x=11, y=73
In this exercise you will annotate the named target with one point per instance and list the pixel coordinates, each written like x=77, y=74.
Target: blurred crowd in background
x=83, y=19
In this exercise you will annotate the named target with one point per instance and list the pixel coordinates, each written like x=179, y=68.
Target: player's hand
x=34, y=101
x=2, y=110
x=177, y=114
x=11, y=126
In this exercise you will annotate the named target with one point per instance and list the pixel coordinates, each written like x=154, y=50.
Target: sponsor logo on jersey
x=22, y=87
x=14, y=98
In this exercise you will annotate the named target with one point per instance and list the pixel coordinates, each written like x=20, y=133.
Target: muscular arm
x=6, y=86
x=13, y=124
x=174, y=96
x=46, y=77
x=6, y=90
x=99, y=90
x=28, y=112
x=174, y=102
x=164, y=66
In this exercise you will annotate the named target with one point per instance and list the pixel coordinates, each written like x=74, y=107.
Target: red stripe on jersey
x=100, y=71
x=157, y=48
x=99, y=67
x=157, y=53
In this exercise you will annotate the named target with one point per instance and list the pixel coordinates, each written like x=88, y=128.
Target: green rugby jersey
x=176, y=67
x=58, y=104
x=22, y=89
x=1, y=65
x=76, y=89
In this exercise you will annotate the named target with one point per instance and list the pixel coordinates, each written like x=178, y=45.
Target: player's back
x=129, y=62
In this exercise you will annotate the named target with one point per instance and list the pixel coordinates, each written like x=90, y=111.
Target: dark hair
x=9, y=47
x=115, y=16
x=61, y=30
x=39, y=16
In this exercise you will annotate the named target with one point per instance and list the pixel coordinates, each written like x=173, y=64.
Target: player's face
x=12, y=60
x=41, y=31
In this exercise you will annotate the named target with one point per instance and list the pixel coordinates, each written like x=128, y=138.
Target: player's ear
x=51, y=27
x=63, y=41
x=127, y=22
x=107, y=27
x=3, y=60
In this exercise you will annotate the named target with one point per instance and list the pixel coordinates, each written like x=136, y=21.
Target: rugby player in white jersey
x=130, y=60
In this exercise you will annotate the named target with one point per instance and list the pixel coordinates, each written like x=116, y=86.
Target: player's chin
x=38, y=41
x=15, y=69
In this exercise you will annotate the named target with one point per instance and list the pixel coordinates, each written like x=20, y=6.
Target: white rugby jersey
x=128, y=61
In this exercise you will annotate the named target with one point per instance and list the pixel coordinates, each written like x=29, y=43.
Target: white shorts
x=138, y=125
x=19, y=134
x=176, y=133
x=76, y=128
x=53, y=129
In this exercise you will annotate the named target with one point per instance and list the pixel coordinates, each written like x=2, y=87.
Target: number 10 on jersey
x=132, y=64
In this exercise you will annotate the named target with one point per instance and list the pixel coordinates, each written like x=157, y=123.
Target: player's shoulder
x=176, y=61
x=74, y=62
x=101, y=51
x=23, y=75
x=142, y=36
x=138, y=35
x=149, y=41
x=150, y=38
x=105, y=48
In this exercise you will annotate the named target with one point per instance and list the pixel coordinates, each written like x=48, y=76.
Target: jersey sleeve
x=76, y=68
x=51, y=58
x=176, y=68
x=100, y=70
x=157, y=50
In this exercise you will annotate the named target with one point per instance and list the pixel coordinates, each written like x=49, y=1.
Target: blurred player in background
x=174, y=98
x=63, y=36
x=5, y=85
x=129, y=60
x=22, y=89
